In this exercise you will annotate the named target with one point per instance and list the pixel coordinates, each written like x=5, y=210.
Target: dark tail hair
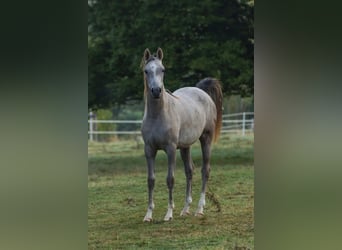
x=213, y=87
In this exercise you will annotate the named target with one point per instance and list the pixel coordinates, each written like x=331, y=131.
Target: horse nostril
x=156, y=90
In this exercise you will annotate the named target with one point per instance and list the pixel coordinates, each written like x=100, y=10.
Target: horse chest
x=157, y=133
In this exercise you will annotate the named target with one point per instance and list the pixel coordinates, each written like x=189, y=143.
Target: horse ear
x=160, y=54
x=147, y=54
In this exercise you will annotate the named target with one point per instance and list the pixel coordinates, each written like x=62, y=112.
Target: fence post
x=243, y=123
x=91, y=116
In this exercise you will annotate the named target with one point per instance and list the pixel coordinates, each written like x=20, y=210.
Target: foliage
x=199, y=39
x=237, y=104
x=130, y=112
x=104, y=114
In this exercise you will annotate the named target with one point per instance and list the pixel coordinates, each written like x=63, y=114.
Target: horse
x=176, y=121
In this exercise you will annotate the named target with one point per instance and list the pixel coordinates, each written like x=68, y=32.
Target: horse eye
x=145, y=72
x=163, y=70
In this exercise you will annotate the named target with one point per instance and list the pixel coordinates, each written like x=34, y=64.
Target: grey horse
x=175, y=121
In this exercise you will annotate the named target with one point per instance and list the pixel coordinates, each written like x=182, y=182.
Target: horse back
x=197, y=113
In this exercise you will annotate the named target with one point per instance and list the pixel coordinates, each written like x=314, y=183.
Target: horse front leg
x=150, y=155
x=171, y=157
x=206, y=152
x=188, y=168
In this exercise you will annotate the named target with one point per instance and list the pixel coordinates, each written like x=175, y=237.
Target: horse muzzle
x=156, y=92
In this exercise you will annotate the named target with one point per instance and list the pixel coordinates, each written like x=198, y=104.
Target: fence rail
x=229, y=125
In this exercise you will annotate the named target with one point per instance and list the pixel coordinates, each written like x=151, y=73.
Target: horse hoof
x=199, y=214
x=167, y=218
x=184, y=213
x=147, y=220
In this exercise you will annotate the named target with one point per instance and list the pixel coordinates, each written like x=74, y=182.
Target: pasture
x=117, y=198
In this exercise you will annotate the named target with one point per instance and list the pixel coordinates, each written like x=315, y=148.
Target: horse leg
x=171, y=157
x=205, y=140
x=186, y=157
x=150, y=155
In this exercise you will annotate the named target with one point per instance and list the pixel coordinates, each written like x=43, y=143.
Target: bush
x=104, y=114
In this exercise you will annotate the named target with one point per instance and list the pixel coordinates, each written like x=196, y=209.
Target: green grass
x=117, y=198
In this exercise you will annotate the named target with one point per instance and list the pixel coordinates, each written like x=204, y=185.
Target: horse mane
x=142, y=65
x=213, y=88
x=170, y=93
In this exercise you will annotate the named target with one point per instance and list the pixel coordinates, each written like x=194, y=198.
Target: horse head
x=154, y=72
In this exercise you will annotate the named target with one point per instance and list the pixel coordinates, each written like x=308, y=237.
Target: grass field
x=117, y=198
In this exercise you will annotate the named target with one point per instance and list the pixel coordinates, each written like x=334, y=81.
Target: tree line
x=199, y=38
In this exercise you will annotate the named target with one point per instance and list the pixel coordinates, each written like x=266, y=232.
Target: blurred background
x=199, y=39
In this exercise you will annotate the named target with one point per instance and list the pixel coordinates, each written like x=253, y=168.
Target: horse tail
x=213, y=88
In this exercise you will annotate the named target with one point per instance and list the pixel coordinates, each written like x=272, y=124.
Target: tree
x=199, y=39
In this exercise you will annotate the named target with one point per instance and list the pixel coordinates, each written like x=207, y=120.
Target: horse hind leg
x=188, y=168
x=205, y=140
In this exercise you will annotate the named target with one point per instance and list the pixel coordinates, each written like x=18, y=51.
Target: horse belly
x=193, y=122
x=186, y=140
x=189, y=133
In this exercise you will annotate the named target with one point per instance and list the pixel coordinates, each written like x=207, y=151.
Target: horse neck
x=156, y=107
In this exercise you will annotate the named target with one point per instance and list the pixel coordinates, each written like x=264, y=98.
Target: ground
x=117, y=198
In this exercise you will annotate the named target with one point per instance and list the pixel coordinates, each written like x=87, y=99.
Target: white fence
x=238, y=122
x=231, y=123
